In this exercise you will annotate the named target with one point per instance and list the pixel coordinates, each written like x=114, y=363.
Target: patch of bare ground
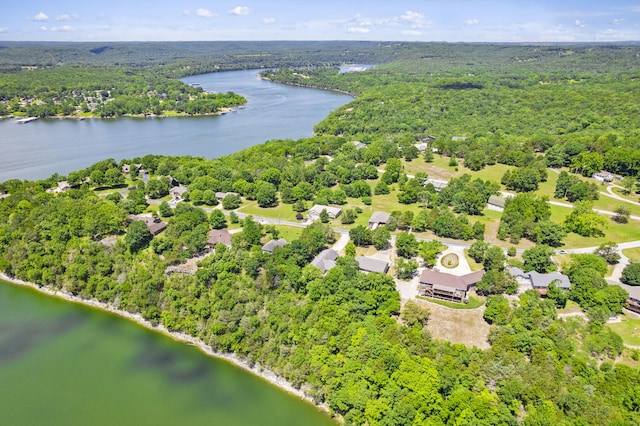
x=467, y=327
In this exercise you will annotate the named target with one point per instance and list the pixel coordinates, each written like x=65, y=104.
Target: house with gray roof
x=273, y=244
x=314, y=212
x=633, y=302
x=325, y=260
x=540, y=282
x=369, y=264
x=450, y=287
x=378, y=218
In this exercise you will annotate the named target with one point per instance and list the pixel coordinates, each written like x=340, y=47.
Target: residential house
x=446, y=286
x=378, y=218
x=314, y=212
x=325, y=260
x=271, y=245
x=496, y=203
x=437, y=184
x=540, y=282
x=604, y=177
x=633, y=302
x=218, y=236
x=359, y=145
x=154, y=224
x=177, y=192
x=459, y=138
x=369, y=264
x=422, y=147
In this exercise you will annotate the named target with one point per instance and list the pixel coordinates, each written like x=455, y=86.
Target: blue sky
x=427, y=20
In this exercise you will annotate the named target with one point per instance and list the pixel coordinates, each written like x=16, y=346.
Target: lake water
x=62, y=363
x=66, y=364
x=40, y=148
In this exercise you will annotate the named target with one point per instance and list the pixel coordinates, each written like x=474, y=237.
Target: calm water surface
x=274, y=111
x=66, y=364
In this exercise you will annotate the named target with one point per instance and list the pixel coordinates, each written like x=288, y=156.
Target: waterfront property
x=446, y=286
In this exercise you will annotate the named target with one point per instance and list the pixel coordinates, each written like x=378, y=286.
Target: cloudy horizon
x=455, y=21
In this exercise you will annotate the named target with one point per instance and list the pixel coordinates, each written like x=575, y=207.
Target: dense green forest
x=343, y=337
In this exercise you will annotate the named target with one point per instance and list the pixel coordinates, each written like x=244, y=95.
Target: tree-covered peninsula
x=429, y=140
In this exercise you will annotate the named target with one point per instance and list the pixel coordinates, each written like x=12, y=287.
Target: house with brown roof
x=218, y=236
x=154, y=224
x=454, y=288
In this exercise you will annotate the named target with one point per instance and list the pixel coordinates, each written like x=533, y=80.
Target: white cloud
x=470, y=22
x=39, y=17
x=580, y=23
x=617, y=21
x=412, y=33
x=240, y=10
x=206, y=13
x=43, y=28
x=358, y=30
x=62, y=29
x=4, y=29
x=412, y=17
x=66, y=17
x=268, y=21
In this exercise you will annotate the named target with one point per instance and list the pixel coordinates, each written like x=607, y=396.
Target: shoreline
x=221, y=111
x=262, y=373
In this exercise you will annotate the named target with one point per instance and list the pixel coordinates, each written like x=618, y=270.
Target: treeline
x=104, y=92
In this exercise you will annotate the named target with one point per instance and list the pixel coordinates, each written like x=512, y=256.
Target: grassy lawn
x=474, y=302
x=570, y=308
x=281, y=211
x=472, y=263
x=621, y=193
x=632, y=253
x=289, y=233
x=628, y=329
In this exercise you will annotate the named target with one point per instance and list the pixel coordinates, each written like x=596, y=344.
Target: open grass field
x=628, y=329
x=466, y=327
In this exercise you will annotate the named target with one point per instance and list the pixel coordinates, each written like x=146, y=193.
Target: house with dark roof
x=378, y=218
x=369, y=264
x=218, y=236
x=449, y=287
x=273, y=244
x=154, y=224
x=325, y=260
